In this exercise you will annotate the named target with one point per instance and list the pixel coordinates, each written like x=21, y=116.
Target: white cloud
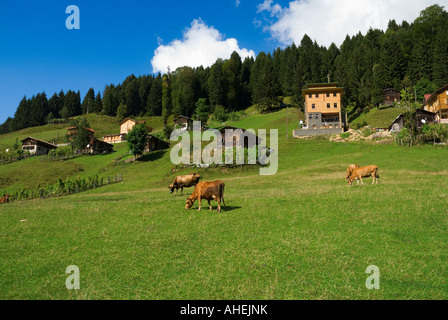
x=200, y=45
x=274, y=10
x=328, y=21
x=237, y=2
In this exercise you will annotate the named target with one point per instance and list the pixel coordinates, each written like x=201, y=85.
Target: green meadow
x=302, y=233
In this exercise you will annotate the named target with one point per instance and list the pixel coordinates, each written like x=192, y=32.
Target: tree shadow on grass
x=152, y=156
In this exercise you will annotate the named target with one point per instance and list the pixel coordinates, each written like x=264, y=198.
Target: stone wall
x=316, y=132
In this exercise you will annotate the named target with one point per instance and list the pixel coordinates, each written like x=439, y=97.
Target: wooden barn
x=183, y=122
x=73, y=131
x=36, y=146
x=421, y=118
x=96, y=146
x=391, y=96
x=247, y=136
x=155, y=144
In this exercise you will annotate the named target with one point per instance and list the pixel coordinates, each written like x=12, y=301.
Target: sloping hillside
x=28, y=173
x=377, y=117
x=102, y=125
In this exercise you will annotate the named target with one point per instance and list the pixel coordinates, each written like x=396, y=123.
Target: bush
x=345, y=135
x=220, y=114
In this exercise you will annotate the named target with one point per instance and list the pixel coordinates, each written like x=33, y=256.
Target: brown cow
x=350, y=170
x=181, y=182
x=5, y=199
x=208, y=190
x=364, y=172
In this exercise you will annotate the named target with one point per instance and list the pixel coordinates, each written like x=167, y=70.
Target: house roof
x=95, y=142
x=322, y=87
x=41, y=142
x=391, y=89
x=185, y=117
x=71, y=128
x=222, y=130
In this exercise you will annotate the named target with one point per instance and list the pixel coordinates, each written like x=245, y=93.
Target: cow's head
x=171, y=187
x=350, y=170
x=7, y=196
x=350, y=180
x=189, y=204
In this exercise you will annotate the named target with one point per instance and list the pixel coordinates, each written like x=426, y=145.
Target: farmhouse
x=125, y=127
x=73, y=131
x=183, y=122
x=323, y=110
x=391, y=96
x=421, y=118
x=37, y=147
x=437, y=103
x=96, y=146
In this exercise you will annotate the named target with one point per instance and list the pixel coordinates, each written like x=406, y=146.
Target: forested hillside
x=407, y=56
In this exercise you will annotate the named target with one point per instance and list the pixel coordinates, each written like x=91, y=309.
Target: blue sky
x=118, y=38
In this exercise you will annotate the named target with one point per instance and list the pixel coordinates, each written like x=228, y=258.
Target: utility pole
x=287, y=136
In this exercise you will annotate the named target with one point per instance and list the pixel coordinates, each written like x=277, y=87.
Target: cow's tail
x=377, y=174
x=221, y=192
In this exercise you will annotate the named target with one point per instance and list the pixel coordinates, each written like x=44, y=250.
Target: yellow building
x=438, y=104
x=323, y=108
x=125, y=127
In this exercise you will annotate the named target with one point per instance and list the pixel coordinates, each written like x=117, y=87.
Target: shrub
x=220, y=114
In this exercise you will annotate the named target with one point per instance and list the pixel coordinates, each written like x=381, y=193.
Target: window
x=311, y=117
x=334, y=94
x=317, y=116
x=335, y=105
x=328, y=106
x=328, y=95
x=313, y=106
x=310, y=96
x=317, y=95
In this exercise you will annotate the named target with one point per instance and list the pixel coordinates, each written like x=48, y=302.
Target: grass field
x=300, y=234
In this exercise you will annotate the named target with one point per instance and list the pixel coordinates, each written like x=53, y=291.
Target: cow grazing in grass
x=5, y=198
x=181, y=182
x=350, y=170
x=364, y=172
x=208, y=190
